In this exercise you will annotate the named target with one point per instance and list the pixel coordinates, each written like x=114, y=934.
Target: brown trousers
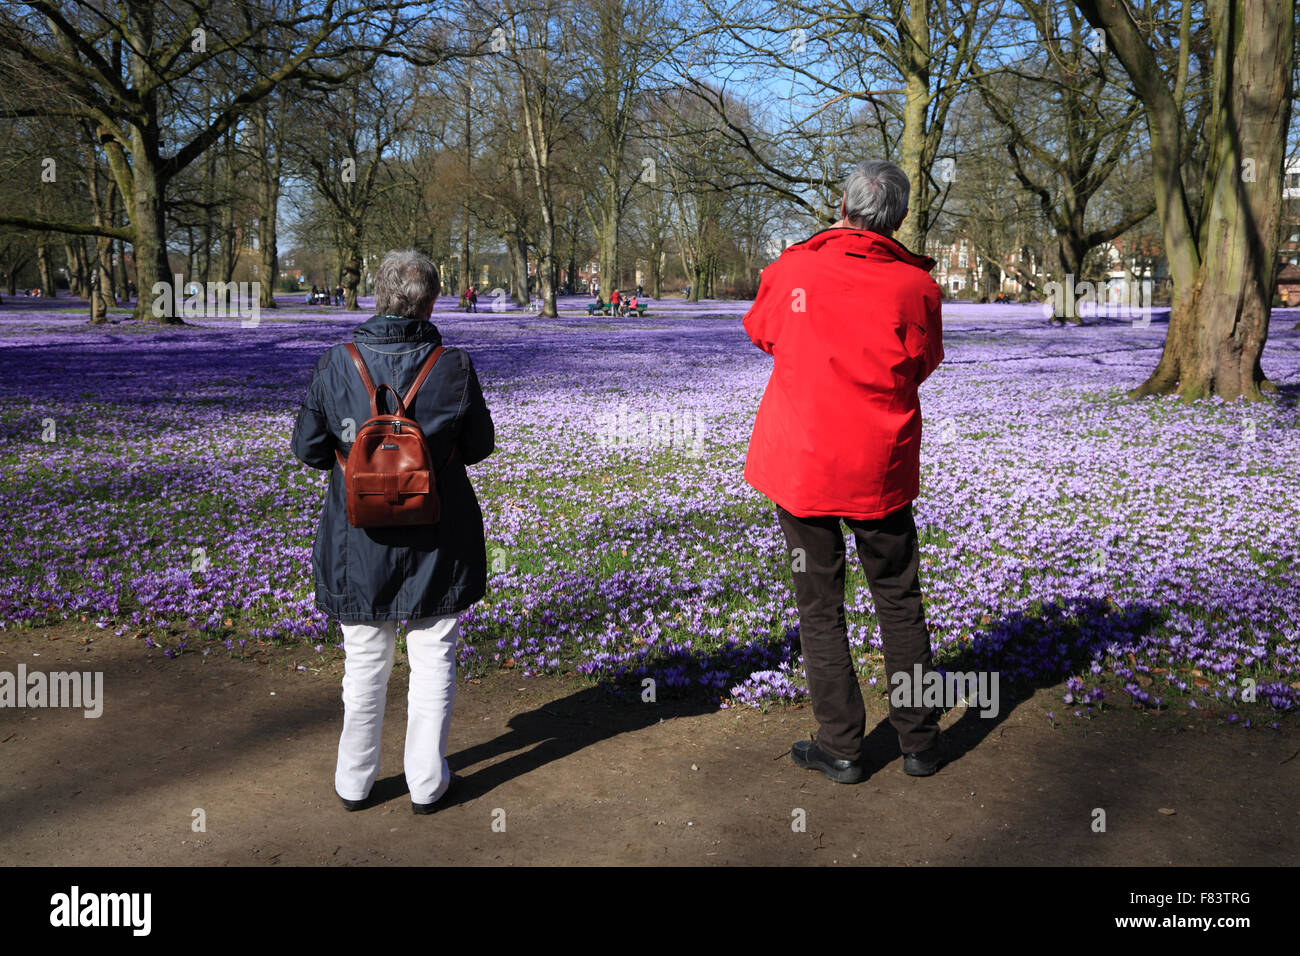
x=890, y=556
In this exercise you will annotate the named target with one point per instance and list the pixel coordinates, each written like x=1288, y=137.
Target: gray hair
x=406, y=284
x=875, y=196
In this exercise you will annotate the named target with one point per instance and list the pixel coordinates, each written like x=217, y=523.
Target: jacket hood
x=865, y=243
x=380, y=329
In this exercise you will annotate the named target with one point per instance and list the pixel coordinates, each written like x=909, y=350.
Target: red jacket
x=852, y=321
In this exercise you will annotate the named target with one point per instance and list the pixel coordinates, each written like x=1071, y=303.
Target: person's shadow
x=687, y=684
x=1028, y=650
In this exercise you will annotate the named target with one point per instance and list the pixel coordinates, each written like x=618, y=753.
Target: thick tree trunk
x=1070, y=252
x=1219, y=325
x=350, y=269
x=151, y=263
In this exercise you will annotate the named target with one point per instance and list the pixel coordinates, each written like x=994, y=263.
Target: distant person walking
x=852, y=321
x=370, y=578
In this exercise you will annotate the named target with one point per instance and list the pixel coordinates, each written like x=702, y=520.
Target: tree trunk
x=123, y=280
x=204, y=270
x=151, y=263
x=517, y=247
x=268, y=242
x=46, y=268
x=546, y=267
x=104, y=267
x=609, y=223
x=1218, y=326
x=350, y=269
x=539, y=149
x=915, y=43
x=466, y=267
x=103, y=264
x=74, y=251
x=268, y=247
x=656, y=271
x=229, y=251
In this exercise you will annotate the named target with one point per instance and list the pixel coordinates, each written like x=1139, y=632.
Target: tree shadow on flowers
x=1027, y=650
x=1287, y=396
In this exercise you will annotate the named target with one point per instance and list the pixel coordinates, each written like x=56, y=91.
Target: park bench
x=604, y=309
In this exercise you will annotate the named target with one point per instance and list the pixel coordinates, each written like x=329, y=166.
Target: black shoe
x=808, y=755
x=353, y=804
x=423, y=808
x=925, y=763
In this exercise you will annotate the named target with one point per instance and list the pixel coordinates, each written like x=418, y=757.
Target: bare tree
x=907, y=61
x=1067, y=127
x=342, y=140
x=540, y=55
x=127, y=65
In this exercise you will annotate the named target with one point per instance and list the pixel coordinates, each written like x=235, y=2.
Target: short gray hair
x=875, y=196
x=406, y=284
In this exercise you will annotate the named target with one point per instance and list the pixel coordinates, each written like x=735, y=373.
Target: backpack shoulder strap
x=366, y=380
x=360, y=363
x=425, y=369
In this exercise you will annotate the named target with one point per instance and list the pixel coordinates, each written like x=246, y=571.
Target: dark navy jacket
x=404, y=573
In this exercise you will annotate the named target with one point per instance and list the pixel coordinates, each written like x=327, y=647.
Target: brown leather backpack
x=389, y=473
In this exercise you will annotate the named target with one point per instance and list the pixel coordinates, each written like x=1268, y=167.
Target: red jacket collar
x=864, y=242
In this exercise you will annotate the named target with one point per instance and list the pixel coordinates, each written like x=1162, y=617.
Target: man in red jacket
x=852, y=320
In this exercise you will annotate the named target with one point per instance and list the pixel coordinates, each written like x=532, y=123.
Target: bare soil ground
x=580, y=776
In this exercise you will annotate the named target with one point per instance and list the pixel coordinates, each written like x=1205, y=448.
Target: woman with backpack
x=379, y=558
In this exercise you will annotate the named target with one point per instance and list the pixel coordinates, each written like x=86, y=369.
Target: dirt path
x=583, y=777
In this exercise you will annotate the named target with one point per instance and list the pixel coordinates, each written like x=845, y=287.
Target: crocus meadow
x=1142, y=552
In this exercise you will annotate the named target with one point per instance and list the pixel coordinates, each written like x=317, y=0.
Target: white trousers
x=431, y=652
